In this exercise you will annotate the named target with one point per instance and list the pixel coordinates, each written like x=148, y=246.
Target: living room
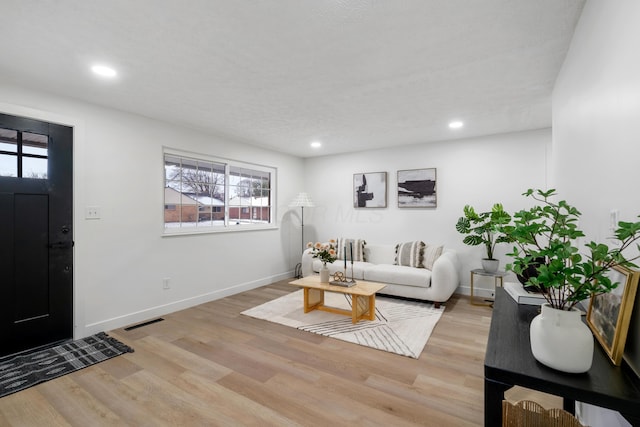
x=587, y=151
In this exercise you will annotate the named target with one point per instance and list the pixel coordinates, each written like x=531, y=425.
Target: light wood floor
x=209, y=365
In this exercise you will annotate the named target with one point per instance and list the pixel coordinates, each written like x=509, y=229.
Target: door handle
x=61, y=245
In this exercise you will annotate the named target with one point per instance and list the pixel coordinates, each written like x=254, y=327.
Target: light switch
x=613, y=219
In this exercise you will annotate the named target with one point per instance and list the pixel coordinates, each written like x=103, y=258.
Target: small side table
x=498, y=277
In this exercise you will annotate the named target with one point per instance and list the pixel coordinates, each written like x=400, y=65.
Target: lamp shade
x=302, y=200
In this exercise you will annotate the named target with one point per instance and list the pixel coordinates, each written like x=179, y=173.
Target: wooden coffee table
x=363, y=297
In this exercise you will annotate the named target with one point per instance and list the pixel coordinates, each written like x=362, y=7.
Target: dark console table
x=509, y=362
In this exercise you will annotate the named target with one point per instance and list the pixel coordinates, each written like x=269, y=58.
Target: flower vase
x=324, y=274
x=560, y=340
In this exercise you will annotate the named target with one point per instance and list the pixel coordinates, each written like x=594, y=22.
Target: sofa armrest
x=307, y=263
x=444, y=276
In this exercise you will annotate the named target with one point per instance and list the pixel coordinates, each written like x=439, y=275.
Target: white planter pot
x=560, y=340
x=490, y=265
x=324, y=274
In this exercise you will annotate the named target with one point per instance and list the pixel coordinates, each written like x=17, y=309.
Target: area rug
x=25, y=370
x=401, y=326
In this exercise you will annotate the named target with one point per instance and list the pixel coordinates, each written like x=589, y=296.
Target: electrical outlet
x=165, y=283
x=92, y=212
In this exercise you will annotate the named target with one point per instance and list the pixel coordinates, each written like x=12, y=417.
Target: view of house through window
x=202, y=193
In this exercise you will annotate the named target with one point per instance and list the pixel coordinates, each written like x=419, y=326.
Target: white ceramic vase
x=490, y=265
x=324, y=274
x=560, y=340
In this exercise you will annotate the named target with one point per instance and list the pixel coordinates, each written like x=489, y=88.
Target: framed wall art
x=370, y=190
x=417, y=188
x=609, y=314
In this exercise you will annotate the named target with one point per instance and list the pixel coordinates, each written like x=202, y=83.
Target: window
x=209, y=194
x=23, y=154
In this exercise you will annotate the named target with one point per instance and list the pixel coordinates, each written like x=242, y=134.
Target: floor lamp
x=302, y=200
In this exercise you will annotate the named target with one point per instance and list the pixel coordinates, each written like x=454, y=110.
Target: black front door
x=36, y=233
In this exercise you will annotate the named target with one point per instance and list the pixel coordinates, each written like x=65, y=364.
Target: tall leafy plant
x=550, y=231
x=484, y=228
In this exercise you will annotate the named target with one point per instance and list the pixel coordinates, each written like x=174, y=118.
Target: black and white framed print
x=417, y=188
x=370, y=190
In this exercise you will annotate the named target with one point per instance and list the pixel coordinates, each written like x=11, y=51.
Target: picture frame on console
x=609, y=314
x=370, y=190
x=417, y=188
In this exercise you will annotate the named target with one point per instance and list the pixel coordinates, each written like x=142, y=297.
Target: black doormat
x=25, y=370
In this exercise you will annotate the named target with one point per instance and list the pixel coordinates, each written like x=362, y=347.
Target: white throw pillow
x=410, y=254
x=431, y=254
x=357, y=245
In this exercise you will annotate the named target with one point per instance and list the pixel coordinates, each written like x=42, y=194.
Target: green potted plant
x=485, y=228
x=549, y=231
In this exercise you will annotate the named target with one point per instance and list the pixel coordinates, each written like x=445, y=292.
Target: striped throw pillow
x=358, y=249
x=410, y=254
x=431, y=254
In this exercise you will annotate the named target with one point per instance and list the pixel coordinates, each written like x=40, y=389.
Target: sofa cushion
x=398, y=275
x=358, y=249
x=410, y=254
x=431, y=254
x=380, y=254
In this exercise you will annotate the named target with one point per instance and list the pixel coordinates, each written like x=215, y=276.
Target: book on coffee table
x=343, y=284
x=521, y=296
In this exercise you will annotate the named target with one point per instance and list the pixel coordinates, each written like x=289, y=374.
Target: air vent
x=140, y=325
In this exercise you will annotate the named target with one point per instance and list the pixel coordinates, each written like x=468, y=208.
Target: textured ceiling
x=354, y=74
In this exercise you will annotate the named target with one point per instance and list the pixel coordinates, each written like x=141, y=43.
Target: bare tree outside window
x=195, y=193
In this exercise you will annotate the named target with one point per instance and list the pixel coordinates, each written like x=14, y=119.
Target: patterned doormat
x=25, y=370
x=401, y=326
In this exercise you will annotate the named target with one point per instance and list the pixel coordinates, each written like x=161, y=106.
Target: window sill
x=172, y=232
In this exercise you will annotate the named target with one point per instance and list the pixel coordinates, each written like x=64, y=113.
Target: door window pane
x=34, y=168
x=32, y=143
x=8, y=140
x=23, y=154
x=8, y=165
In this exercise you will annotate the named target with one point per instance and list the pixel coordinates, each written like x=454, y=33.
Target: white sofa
x=435, y=285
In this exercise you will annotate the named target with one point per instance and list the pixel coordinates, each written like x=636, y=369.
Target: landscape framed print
x=370, y=190
x=417, y=188
x=609, y=314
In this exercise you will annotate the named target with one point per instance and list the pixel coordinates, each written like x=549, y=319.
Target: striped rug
x=401, y=326
x=27, y=369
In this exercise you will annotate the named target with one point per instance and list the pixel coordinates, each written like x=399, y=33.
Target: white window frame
x=229, y=225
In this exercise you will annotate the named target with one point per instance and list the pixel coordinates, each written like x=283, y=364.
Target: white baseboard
x=161, y=310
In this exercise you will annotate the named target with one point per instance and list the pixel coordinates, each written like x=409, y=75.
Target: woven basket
x=527, y=413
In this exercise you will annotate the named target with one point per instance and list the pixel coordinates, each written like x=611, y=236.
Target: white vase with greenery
x=554, y=331
x=324, y=273
x=548, y=231
x=325, y=252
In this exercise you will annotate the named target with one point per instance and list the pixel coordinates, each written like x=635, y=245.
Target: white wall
x=596, y=126
x=596, y=115
x=121, y=259
x=478, y=171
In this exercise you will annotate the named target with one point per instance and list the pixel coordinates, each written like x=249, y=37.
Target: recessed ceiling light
x=316, y=144
x=457, y=124
x=104, y=71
